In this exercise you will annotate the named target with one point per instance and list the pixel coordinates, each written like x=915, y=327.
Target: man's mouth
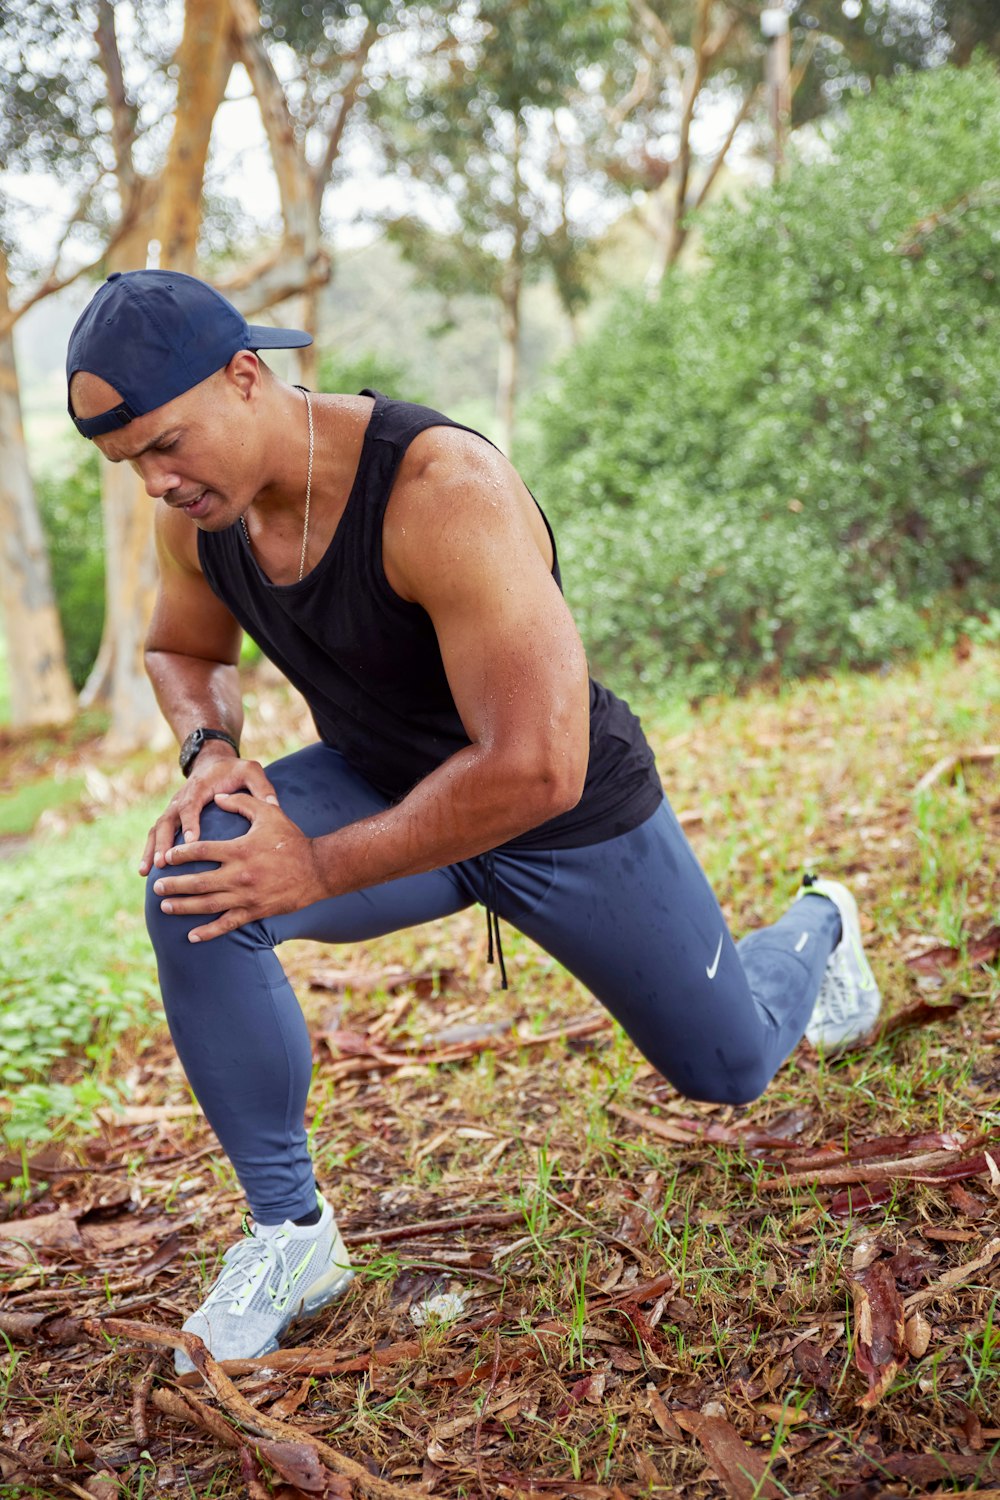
x=194, y=506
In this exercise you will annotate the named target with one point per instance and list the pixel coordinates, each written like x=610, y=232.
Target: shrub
x=791, y=460
x=70, y=510
x=349, y=374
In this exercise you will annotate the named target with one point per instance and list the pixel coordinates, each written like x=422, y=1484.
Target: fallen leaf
x=924, y=1468
x=103, y=1487
x=948, y=1236
x=861, y=1198
x=812, y=1365
x=662, y=1416
x=646, y=1470
x=787, y=1416
x=301, y=1466
x=879, y=1330
x=922, y=1014
x=967, y=1203
x=994, y=1174
x=738, y=1468
x=981, y=950
x=37, y=1166
x=58, y=1229
x=956, y=1275
x=122, y=1234
x=910, y=1269
x=917, y=1334
x=288, y=1404
x=590, y=1388
x=972, y=1428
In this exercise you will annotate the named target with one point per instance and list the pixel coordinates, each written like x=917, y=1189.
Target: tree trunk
x=511, y=286
x=307, y=359
x=40, y=687
x=204, y=63
x=510, y=350
x=130, y=591
x=120, y=524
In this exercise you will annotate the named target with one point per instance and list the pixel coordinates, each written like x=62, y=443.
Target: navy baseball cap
x=155, y=334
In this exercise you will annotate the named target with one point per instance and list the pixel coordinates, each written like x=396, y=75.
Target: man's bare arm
x=192, y=655
x=459, y=542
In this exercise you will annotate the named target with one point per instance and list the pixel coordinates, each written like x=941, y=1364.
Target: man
x=397, y=570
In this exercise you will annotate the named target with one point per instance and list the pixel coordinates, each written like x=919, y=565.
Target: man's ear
x=245, y=373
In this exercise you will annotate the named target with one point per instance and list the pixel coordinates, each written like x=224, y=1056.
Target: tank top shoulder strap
x=394, y=425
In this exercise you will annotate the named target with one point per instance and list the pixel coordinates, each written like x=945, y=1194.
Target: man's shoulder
x=451, y=463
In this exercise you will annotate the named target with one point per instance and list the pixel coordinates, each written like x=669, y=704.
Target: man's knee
x=166, y=928
x=722, y=1080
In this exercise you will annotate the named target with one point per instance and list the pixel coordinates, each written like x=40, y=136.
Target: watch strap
x=195, y=743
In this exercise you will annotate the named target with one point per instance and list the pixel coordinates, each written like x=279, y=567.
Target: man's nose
x=157, y=477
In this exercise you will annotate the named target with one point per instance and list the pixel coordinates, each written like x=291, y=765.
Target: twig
x=477, y=1440
x=904, y=1166
x=419, y=1262
x=949, y=764
x=184, y=1406
x=139, y=1399
x=953, y=1277
x=309, y=1361
x=240, y=1409
x=433, y=1226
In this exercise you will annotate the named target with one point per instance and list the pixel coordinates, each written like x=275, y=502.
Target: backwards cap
x=153, y=335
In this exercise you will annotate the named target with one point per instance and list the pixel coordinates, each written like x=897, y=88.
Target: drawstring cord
x=492, y=917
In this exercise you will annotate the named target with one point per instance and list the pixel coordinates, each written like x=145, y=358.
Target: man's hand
x=271, y=869
x=214, y=772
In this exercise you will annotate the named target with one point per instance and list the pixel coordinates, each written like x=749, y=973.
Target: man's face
x=196, y=453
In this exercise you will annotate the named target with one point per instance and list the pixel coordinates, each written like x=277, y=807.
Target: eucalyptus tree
x=49, y=123
x=697, y=84
x=490, y=126
x=104, y=101
x=40, y=687
x=314, y=66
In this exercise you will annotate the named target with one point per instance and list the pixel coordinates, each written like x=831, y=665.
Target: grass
x=76, y=972
x=757, y=1324
x=20, y=812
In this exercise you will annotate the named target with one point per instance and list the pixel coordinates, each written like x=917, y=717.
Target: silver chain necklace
x=309, y=485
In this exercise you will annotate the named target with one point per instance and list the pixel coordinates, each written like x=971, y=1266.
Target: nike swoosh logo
x=715, y=961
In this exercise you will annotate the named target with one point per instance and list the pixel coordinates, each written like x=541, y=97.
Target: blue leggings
x=633, y=918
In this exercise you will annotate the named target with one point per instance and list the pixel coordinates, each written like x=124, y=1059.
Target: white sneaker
x=848, y=1002
x=274, y=1277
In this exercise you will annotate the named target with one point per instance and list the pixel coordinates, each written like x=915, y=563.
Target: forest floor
x=648, y=1296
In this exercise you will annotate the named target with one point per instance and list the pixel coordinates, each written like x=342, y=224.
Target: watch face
x=190, y=749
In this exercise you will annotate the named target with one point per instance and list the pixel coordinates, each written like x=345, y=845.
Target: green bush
x=791, y=460
x=349, y=374
x=64, y=1003
x=71, y=517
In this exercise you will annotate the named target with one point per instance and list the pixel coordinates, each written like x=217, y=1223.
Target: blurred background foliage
x=779, y=459
x=70, y=508
x=790, y=460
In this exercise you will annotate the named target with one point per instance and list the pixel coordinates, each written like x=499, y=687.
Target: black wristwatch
x=195, y=742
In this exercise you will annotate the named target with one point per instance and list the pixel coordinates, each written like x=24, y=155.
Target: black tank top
x=367, y=662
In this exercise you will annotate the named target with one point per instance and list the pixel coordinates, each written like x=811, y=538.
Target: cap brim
x=276, y=338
